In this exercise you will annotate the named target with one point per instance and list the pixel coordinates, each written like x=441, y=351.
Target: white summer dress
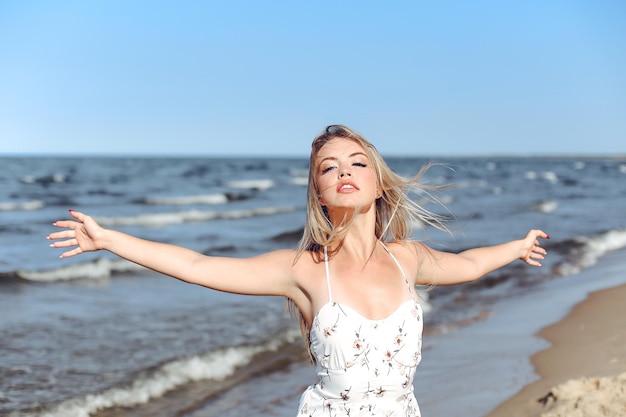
x=365, y=367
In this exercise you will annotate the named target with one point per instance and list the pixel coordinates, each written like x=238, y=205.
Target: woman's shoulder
x=296, y=259
x=408, y=252
x=295, y=264
x=407, y=247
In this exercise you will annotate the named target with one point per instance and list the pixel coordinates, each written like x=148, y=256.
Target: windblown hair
x=396, y=212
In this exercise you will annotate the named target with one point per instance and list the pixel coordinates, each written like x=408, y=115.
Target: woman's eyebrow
x=334, y=158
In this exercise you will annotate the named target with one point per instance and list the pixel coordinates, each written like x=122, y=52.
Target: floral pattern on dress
x=365, y=367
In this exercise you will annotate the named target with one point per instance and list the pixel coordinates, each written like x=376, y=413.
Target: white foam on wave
x=592, y=249
x=299, y=177
x=23, y=205
x=545, y=206
x=299, y=172
x=188, y=200
x=215, y=365
x=262, y=184
x=462, y=185
x=548, y=176
x=54, y=178
x=164, y=219
x=100, y=268
x=530, y=175
x=304, y=181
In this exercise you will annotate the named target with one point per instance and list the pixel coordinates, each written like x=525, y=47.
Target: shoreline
x=588, y=343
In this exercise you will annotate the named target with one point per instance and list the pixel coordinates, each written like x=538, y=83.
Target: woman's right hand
x=83, y=233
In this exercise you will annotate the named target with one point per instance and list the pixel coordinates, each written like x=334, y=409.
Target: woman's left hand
x=531, y=250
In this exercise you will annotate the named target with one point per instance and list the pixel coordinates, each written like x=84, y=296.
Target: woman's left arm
x=443, y=268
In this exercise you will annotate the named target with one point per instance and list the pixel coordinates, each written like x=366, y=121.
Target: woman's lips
x=346, y=187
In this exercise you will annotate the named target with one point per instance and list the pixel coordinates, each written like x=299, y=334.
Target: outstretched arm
x=268, y=274
x=442, y=268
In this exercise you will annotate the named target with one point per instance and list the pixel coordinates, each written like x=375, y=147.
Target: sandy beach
x=583, y=372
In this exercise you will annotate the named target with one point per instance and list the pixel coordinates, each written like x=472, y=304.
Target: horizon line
x=294, y=156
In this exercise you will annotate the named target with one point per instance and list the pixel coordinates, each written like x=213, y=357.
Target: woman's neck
x=360, y=240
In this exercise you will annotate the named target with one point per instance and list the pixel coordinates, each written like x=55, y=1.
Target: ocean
x=97, y=336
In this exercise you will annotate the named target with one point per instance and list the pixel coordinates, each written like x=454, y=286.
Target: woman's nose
x=345, y=172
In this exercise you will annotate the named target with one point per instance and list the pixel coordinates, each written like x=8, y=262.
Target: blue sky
x=263, y=78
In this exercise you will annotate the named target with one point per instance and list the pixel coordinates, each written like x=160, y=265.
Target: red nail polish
x=71, y=211
x=547, y=236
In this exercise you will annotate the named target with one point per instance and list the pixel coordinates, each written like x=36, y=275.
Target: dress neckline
x=343, y=307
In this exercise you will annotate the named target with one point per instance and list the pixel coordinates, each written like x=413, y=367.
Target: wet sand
x=583, y=373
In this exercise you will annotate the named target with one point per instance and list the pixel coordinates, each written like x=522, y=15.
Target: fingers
x=65, y=224
x=535, y=253
x=64, y=243
x=65, y=234
x=539, y=250
x=70, y=224
x=69, y=234
x=530, y=261
x=538, y=234
x=73, y=252
x=81, y=217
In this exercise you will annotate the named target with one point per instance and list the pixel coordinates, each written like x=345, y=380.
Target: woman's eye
x=328, y=168
x=359, y=164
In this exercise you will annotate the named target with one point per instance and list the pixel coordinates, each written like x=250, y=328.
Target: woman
x=352, y=280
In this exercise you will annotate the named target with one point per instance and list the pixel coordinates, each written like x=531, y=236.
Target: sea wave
x=216, y=365
x=545, y=206
x=164, y=219
x=565, y=258
x=299, y=172
x=585, y=251
x=548, y=176
x=288, y=237
x=303, y=181
x=209, y=199
x=97, y=269
x=188, y=200
x=478, y=183
x=261, y=184
x=21, y=205
x=44, y=180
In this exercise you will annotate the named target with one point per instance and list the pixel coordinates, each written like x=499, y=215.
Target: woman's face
x=345, y=175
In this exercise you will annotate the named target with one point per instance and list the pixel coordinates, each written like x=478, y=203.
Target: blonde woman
x=351, y=281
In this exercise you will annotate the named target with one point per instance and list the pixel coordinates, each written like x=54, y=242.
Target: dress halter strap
x=330, y=294
x=406, y=279
x=394, y=259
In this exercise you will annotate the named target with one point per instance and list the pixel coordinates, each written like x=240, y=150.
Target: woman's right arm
x=268, y=274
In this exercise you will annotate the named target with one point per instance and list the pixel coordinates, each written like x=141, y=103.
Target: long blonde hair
x=396, y=212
